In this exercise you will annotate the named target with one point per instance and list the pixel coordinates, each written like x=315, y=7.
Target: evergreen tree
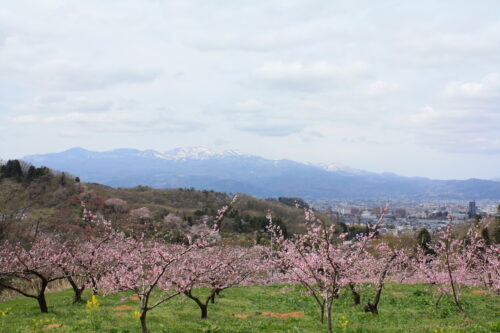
x=12, y=169
x=32, y=173
x=424, y=239
x=486, y=236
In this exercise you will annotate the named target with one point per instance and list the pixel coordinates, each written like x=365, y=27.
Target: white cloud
x=262, y=119
x=467, y=119
x=26, y=119
x=427, y=114
x=316, y=76
x=260, y=39
x=56, y=104
x=273, y=128
x=109, y=122
x=380, y=87
x=300, y=71
x=488, y=89
x=65, y=76
x=435, y=44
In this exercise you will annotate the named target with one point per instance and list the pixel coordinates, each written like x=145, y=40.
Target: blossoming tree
x=38, y=263
x=321, y=260
x=144, y=266
x=216, y=268
x=90, y=256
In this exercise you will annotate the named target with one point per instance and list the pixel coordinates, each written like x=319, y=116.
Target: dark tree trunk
x=355, y=295
x=373, y=307
x=203, y=306
x=143, y=321
x=204, y=311
x=322, y=313
x=42, y=303
x=41, y=295
x=77, y=292
x=77, y=297
x=144, y=311
x=216, y=293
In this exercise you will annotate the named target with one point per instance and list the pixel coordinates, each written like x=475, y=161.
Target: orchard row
x=322, y=260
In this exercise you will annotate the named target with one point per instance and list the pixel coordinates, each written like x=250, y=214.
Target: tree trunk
x=204, y=311
x=95, y=289
x=212, y=298
x=329, y=304
x=41, y=296
x=373, y=307
x=322, y=315
x=77, y=297
x=203, y=306
x=77, y=292
x=143, y=321
x=355, y=295
x=144, y=311
x=489, y=282
x=452, y=283
x=42, y=303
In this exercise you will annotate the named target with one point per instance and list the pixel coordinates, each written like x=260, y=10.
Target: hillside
x=254, y=175
x=52, y=203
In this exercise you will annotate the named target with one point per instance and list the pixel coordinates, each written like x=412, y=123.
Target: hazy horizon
x=410, y=88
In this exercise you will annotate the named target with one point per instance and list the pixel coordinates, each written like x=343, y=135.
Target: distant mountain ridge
x=231, y=171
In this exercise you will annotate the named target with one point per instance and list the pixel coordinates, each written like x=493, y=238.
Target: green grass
x=404, y=308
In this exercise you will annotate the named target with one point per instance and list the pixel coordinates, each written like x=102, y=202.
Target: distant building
x=472, y=210
x=400, y=213
x=355, y=211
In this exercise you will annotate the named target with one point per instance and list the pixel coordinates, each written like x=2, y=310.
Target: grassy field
x=404, y=308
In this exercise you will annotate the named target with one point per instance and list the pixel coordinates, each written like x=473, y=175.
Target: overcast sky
x=411, y=87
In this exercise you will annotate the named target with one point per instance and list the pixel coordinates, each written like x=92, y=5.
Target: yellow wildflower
x=343, y=321
x=5, y=312
x=93, y=303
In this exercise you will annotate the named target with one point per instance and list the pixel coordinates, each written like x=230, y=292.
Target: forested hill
x=39, y=198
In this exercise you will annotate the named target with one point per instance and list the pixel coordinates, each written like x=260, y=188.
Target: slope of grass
x=404, y=308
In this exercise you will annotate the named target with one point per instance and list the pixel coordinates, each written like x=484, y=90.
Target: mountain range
x=233, y=172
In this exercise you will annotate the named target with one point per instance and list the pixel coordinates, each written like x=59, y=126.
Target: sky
x=410, y=87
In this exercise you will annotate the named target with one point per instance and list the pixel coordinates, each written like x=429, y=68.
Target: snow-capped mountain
x=195, y=153
x=231, y=171
x=338, y=167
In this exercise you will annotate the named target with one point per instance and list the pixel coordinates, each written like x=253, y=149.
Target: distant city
x=407, y=216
